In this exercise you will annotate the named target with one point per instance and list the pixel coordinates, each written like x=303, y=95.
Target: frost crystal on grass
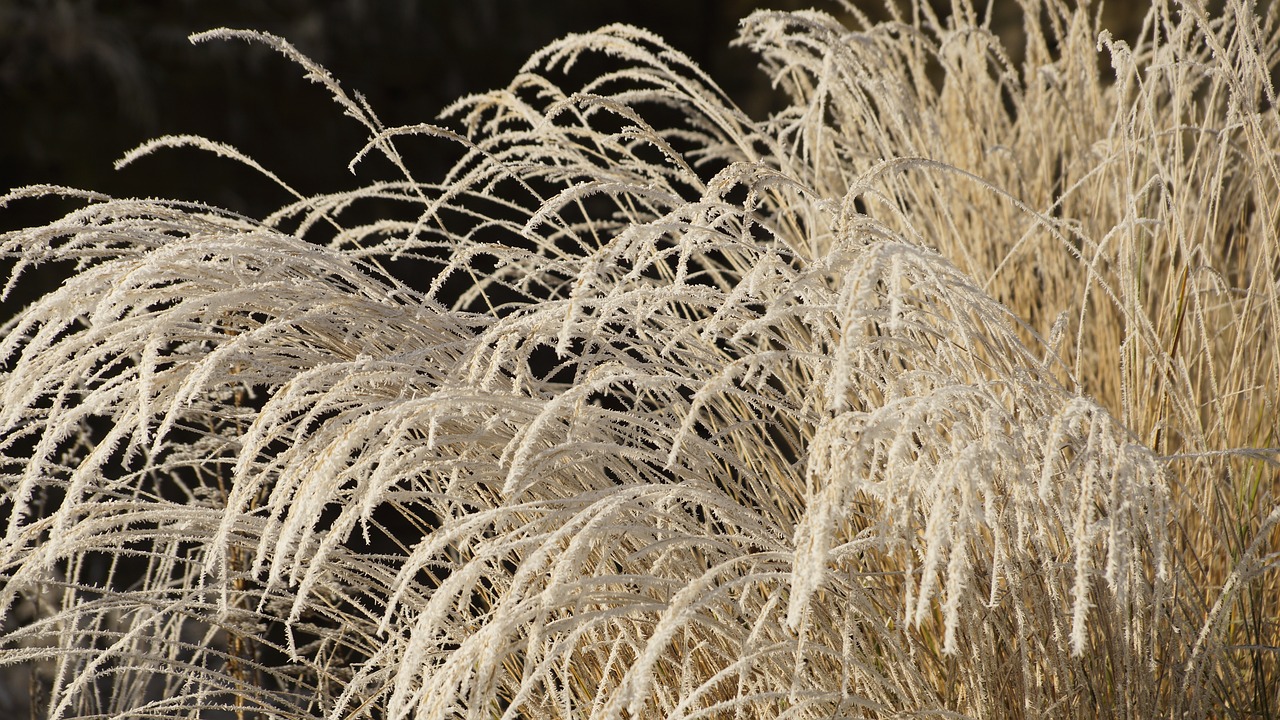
x=947, y=390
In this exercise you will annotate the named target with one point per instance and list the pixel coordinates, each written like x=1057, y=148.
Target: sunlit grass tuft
x=949, y=390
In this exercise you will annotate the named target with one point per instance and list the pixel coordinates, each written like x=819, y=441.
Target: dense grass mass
x=947, y=390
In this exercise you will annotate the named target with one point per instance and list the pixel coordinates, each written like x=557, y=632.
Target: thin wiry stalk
x=948, y=390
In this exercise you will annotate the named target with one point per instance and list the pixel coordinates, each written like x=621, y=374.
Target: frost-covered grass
x=949, y=390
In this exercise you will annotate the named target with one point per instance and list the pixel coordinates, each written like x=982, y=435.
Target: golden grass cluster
x=947, y=390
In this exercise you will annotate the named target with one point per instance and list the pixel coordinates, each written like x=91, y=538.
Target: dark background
x=82, y=82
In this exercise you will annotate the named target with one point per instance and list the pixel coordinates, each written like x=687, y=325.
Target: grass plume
x=947, y=390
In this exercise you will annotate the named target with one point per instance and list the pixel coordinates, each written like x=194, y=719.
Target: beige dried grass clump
x=949, y=390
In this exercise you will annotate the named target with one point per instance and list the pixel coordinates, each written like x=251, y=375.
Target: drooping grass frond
x=948, y=390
